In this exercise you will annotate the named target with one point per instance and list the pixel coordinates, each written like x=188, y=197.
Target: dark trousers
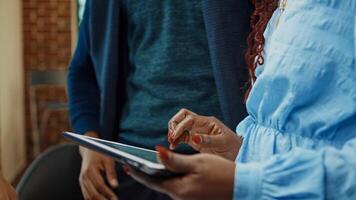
x=130, y=189
x=55, y=175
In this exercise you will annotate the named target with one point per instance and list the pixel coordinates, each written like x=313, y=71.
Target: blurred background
x=37, y=39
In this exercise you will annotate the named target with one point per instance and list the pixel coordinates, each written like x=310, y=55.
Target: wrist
x=90, y=134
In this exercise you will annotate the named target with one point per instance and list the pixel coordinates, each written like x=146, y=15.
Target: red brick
x=47, y=45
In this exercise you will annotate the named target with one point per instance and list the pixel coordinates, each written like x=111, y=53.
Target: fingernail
x=114, y=182
x=162, y=152
x=170, y=135
x=173, y=135
x=197, y=139
x=126, y=169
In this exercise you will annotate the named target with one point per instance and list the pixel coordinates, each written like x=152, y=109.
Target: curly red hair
x=259, y=19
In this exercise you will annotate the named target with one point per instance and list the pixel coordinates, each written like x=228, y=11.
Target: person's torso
x=305, y=93
x=170, y=68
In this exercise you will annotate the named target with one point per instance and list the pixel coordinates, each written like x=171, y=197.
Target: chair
x=38, y=78
x=53, y=175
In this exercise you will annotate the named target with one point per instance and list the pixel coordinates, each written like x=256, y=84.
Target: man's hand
x=7, y=192
x=206, y=176
x=92, y=182
x=204, y=134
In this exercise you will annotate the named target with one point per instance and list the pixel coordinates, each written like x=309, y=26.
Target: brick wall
x=47, y=45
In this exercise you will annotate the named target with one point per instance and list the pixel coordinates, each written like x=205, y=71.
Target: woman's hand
x=7, y=192
x=206, y=176
x=204, y=134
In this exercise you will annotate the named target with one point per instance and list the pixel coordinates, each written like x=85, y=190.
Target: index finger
x=92, y=192
x=100, y=185
x=177, y=118
x=109, y=167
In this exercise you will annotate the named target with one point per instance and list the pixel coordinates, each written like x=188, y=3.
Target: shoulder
x=101, y=15
x=98, y=9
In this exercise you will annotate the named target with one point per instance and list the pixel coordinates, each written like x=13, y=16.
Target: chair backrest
x=48, y=77
x=52, y=175
x=37, y=78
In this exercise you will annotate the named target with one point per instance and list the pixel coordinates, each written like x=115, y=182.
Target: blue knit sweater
x=99, y=68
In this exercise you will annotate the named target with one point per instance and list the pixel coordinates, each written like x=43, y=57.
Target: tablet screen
x=142, y=153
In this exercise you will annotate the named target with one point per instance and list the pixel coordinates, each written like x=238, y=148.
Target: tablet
x=144, y=160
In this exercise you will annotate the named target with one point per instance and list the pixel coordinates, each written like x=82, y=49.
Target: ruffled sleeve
x=355, y=39
x=328, y=173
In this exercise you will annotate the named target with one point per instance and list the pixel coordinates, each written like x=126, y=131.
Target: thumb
x=175, y=162
x=110, y=171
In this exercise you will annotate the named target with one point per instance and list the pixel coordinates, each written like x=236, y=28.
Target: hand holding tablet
x=142, y=159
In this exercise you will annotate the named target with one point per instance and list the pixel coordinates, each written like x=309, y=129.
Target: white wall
x=12, y=137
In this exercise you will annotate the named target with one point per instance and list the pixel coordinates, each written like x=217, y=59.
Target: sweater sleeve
x=328, y=173
x=83, y=91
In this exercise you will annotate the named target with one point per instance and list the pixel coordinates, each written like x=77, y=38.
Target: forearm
x=84, y=97
x=90, y=134
x=83, y=90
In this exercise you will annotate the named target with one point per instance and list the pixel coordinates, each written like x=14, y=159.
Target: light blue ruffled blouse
x=300, y=135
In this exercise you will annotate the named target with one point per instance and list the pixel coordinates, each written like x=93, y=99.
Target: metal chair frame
x=39, y=78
